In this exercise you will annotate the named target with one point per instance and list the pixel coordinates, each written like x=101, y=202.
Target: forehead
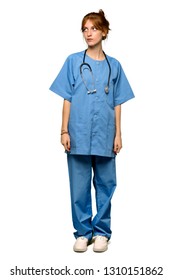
x=89, y=23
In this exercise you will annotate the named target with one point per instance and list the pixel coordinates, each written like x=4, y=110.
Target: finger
x=117, y=149
x=67, y=146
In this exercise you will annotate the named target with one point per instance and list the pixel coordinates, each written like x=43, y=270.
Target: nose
x=89, y=32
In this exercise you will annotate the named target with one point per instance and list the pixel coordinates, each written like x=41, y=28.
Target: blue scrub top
x=92, y=116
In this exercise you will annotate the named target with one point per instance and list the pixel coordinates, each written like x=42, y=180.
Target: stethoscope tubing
x=90, y=69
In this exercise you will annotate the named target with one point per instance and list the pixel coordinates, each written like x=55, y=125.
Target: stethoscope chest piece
x=106, y=89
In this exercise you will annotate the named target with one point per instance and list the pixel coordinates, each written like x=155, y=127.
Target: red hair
x=98, y=20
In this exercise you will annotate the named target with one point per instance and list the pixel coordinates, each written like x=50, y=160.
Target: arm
x=65, y=138
x=118, y=139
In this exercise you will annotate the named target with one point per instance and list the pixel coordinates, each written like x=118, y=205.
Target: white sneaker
x=100, y=243
x=80, y=244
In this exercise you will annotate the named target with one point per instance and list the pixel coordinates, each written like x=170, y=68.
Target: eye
x=84, y=29
x=94, y=28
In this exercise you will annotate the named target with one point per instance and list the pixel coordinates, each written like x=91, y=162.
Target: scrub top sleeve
x=122, y=89
x=64, y=82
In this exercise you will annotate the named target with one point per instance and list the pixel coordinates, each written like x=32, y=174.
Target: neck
x=96, y=53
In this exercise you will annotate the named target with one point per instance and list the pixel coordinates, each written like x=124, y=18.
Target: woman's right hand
x=65, y=141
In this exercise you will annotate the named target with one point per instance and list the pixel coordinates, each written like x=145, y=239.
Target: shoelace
x=103, y=238
x=82, y=237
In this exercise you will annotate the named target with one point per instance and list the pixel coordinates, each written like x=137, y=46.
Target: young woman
x=93, y=86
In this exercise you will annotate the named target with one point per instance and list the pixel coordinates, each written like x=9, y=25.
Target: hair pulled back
x=99, y=21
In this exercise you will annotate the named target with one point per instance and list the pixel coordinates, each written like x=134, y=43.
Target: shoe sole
x=79, y=251
x=100, y=251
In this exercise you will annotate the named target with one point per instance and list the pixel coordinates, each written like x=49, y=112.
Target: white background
x=36, y=226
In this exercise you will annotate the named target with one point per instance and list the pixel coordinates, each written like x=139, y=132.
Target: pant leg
x=104, y=181
x=80, y=172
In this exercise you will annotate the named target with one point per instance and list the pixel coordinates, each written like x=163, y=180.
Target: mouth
x=89, y=40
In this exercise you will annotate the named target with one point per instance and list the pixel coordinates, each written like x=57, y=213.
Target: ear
x=104, y=34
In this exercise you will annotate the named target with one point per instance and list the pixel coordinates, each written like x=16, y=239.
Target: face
x=92, y=35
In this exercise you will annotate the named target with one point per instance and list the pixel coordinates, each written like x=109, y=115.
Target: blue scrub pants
x=83, y=169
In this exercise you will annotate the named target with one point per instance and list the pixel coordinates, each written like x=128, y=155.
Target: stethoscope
x=93, y=81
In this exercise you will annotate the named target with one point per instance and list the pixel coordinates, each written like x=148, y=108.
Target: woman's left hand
x=117, y=144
